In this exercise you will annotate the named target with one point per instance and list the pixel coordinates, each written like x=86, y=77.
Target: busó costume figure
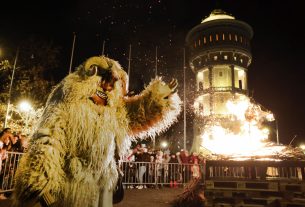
x=87, y=120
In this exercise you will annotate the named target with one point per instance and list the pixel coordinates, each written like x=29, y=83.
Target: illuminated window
x=241, y=60
x=215, y=57
x=199, y=42
x=234, y=58
x=200, y=86
x=230, y=37
x=204, y=40
x=236, y=38
x=225, y=57
x=200, y=107
x=211, y=38
x=217, y=37
x=223, y=36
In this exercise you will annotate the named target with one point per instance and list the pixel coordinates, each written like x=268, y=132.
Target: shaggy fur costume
x=71, y=154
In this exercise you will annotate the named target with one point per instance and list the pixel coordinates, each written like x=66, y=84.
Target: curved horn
x=101, y=62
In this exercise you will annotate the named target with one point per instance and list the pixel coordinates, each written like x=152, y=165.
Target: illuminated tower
x=219, y=57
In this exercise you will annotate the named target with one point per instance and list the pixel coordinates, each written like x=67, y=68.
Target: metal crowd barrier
x=135, y=173
x=174, y=174
x=8, y=168
x=159, y=174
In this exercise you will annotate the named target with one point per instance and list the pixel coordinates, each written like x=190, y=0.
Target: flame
x=242, y=134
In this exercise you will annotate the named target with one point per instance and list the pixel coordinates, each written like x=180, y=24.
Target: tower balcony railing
x=221, y=89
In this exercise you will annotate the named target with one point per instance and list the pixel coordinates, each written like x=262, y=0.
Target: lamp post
x=277, y=132
x=10, y=89
x=25, y=107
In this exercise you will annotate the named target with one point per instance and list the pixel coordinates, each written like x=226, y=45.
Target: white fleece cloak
x=71, y=154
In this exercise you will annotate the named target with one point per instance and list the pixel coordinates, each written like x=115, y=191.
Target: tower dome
x=217, y=14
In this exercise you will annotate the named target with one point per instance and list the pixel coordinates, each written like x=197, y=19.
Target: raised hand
x=173, y=85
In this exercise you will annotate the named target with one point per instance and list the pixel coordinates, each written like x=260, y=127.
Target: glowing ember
x=241, y=133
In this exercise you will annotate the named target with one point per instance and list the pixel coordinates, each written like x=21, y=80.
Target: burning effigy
x=243, y=135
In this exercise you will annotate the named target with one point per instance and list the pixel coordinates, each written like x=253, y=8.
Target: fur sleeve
x=154, y=110
x=40, y=170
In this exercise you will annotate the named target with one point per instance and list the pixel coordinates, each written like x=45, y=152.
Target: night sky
x=276, y=75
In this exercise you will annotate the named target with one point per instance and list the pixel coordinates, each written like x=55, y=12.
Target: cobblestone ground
x=149, y=197
x=138, y=198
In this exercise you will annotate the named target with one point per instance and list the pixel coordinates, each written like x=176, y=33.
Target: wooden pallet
x=242, y=185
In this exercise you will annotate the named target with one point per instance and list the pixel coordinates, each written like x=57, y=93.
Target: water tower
x=219, y=56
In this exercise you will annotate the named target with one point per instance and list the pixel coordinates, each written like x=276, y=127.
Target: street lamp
x=25, y=107
x=164, y=144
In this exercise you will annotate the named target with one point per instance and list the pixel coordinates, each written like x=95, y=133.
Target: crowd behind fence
x=136, y=174
x=156, y=175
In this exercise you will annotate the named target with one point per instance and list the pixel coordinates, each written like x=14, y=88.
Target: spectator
x=195, y=169
x=143, y=158
x=24, y=143
x=151, y=170
x=173, y=171
x=15, y=145
x=4, y=143
x=166, y=159
x=159, y=167
x=185, y=168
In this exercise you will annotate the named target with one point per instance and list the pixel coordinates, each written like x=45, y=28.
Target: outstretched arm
x=154, y=109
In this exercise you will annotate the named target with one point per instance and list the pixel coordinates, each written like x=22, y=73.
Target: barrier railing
x=175, y=174
x=8, y=169
x=155, y=174
x=135, y=173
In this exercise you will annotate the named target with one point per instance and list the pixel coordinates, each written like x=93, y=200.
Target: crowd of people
x=10, y=142
x=145, y=165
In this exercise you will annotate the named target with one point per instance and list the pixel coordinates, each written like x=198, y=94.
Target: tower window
x=217, y=37
x=199, y=42
x=230, y=37
x=204, y=40
x=223, y=36
x=200, y=107
x=200, y=86
x=241, y=60
x=236, y=38
x=211, y=38
x=225, y=57
x=240, y=84
x=241, y=39
x=215, y=57
x=234, y=58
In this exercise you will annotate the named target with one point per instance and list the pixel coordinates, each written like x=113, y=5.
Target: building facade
x=219, y=55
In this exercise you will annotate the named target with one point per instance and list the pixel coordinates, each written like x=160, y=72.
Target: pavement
x=138, y=198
